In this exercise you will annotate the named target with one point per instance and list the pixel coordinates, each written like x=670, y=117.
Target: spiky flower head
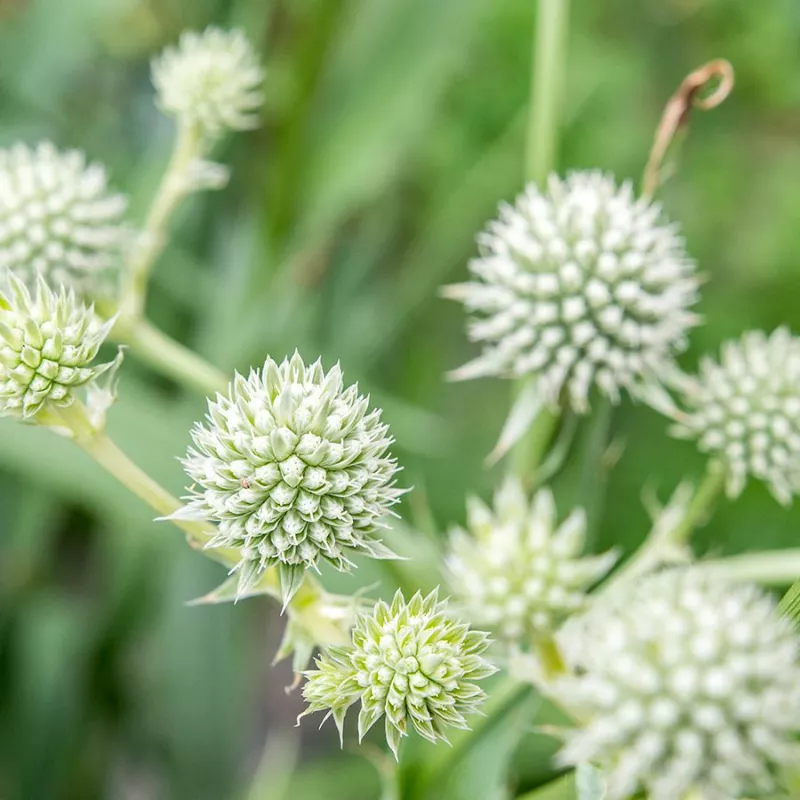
x=58, y=218
x=745, y=411
x=48, y=341
x=517, y=571
x=684, y=684
x=579, y=285
x=211, y=80
x=408, y=662
x=294, y=469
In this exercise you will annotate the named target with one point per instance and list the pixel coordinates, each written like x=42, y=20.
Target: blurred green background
x=391, y=131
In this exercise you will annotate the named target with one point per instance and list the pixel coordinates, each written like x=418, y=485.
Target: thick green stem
x=168, y=357
x=770, y=568
x=174, y=186
x=549, y=57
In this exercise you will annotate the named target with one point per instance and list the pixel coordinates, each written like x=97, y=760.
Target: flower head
x=579, y=285
x=407, y=662
x=294, y=470
x=58, y=218
x=745, y=410
x=210, y=79
x=48, y=341
x=517, y=571
x=684, y=683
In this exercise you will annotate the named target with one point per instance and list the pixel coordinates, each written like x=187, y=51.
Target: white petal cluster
x=59, y=218
x=294, y=469
x=745, y=410
x=48, y=341
x=212, y=80
x=517, y=571
x=684, y=684
x=580, y=285
x=409, y=662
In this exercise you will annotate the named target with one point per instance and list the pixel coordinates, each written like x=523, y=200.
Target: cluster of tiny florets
x=745, y=410
x=59, y=219
x=210, y=79
x=684, y=684
x=48, y=341
x=408, y=662
x=294, y=469
x=580, y=285
x=517, y=571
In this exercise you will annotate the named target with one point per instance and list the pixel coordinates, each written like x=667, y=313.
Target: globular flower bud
x=578, y=286
x=745, y=411
x=59, y=219
x=684, y=686
x=211, y=80
x=294, y=470
x=408, y=662
x=48, y=342
x=517, y=571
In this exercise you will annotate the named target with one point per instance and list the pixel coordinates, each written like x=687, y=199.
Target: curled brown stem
x=678, y=110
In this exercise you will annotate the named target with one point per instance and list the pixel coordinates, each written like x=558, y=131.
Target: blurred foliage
x=392, y=130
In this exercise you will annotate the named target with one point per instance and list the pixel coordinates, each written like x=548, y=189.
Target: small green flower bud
x=408, y=662
x=47, y=344
x=211, y=80
x=517, y=572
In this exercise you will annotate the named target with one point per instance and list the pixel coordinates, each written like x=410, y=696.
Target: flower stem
x=771, y=568
x=169, y=357
x=549, y=57
x=173, y=188
x=665, y=543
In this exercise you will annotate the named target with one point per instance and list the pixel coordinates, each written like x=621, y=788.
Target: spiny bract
x=579, y=285
x=745, y=410
x=517, y=571
x=407, y=662
x=47, y=343
x=59, y=219
x=684, y=684
x=293, y=469
x=211, y=79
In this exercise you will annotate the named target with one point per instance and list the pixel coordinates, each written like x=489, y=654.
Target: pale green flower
x=212, y=80
x=409, y=663
x=517, y=571
x=683, y=684
x=295, y=470
x=745, y=411
x=48, y=342
x=58, y=218
x=580, y=284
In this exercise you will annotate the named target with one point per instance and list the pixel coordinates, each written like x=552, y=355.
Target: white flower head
x=48, y=342
x=518, y=572
x=294, y=469
x=408, y=662
x=58, y=218
x=684, y=683
x=745, y=411
x=579, y=285
x=212, y=80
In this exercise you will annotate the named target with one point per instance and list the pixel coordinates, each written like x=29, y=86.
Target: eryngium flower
x=211, y=80
x=579, y=285
x=407, y=662
x=517, y=571
x=684, y=683
x=294, y=469
x=47, y=343
x=745, y=410
x=58, y=218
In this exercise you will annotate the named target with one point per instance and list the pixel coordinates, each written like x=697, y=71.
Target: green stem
x=549, y=58
x=662, y=545
x=771, y=568
x=174, y=186
x=168, y=357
